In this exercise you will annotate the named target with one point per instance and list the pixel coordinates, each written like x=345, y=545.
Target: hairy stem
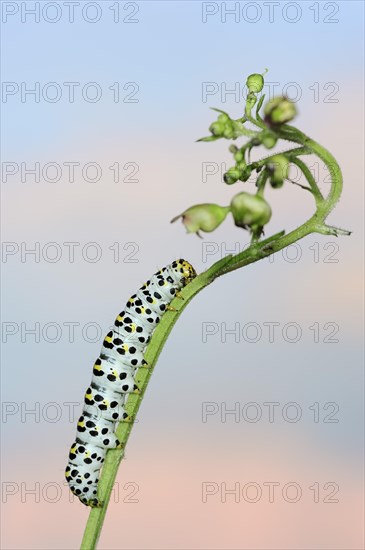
x=257, y=251
x=308, y=174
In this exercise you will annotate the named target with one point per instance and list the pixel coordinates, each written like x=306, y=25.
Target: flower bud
x=232, y=175
x=250, y=211
x=203, y=217
x=269, y=140
x=223, y=117
x=279, y=170
x=245, y=172
x=216, y=128
x=279, y=110
x=228, y=130
x=255, y=83
x=239, y=155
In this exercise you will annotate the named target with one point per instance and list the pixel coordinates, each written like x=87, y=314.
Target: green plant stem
x=258, y=107
x=248, y=116
x=290, y=153
x=255, y=252
x=261, y=182
x=114, y=457
x=308, y=175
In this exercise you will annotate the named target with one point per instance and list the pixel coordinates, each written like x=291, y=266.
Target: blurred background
x=251, y=432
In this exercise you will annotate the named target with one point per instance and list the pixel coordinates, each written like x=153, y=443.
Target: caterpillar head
x=184, y=269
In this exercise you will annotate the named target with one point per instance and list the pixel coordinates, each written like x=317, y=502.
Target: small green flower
x=279, y=110
x=244, y=170
x=238, y=172
x=232, y=175
x=269, y=140
x=228, y=131
x=239, y=156
x=217, y=128
x=250, y=211
x=223, y=117
x=255, y=83
x=203, y=217
x=224, y=127
x=245, y=173
x=279, y=170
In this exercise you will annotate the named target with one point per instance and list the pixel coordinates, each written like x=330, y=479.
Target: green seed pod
x=232, y=175
x=255, y=83
x=279, y=110
x=203, y=217
x=279, y=170
x=250, y=211
x=217, y=128
x=233, y=149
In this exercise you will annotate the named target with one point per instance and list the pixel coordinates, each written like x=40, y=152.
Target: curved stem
x=309, y=176
x=246, y=131
x=254, y=253
x=293, y=134
x=256, y=121
x=290, y=153
x=258, y=107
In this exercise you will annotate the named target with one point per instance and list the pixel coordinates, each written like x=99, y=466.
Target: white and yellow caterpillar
x=122, y=354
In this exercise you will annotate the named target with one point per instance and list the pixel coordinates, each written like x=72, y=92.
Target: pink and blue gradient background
x=169, y=53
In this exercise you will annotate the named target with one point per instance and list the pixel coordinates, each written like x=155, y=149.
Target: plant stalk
x=257, y=251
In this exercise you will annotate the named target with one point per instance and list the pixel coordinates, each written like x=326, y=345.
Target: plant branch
x=309, y=176
x=257, y=251
x=290, y=153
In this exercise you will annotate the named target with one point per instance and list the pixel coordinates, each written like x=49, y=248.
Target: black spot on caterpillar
x=114, y=372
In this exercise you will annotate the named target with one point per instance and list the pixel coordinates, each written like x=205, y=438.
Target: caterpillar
x=113, y=378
